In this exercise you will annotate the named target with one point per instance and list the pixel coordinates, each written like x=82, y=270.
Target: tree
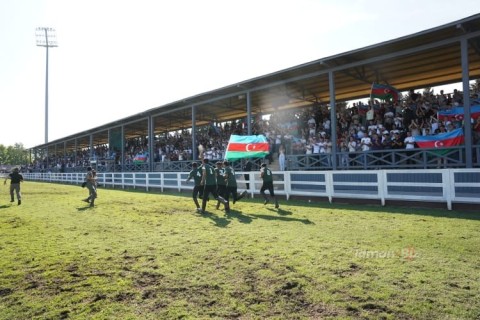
x=13, y=155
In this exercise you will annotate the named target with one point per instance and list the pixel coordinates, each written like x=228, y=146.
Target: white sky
x=117, y=58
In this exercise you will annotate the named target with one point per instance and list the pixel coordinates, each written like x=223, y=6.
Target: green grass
x=150, y=256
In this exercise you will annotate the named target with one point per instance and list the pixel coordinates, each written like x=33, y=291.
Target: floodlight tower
x=47, y=38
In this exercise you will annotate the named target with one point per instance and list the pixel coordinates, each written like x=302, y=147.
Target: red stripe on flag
x=441, y=143
x=248, y=147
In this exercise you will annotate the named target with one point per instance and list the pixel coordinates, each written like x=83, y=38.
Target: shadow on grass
x=85, y=208
x=280, y=218
x=4, y=206
x=233, y=214
x=282, y=211
x=218, y=221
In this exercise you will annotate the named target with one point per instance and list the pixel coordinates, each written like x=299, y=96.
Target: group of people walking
x=221, y=182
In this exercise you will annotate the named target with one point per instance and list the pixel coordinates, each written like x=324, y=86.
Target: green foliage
x=13, y=155
x=151, y=256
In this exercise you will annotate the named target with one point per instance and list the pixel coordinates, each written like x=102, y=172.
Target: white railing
x=437, y=185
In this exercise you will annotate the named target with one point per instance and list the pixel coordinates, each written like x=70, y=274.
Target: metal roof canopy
x=424, y=59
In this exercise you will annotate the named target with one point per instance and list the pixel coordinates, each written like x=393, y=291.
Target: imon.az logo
x=407, y=253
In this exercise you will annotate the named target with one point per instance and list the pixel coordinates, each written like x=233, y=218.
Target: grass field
x=151, y=256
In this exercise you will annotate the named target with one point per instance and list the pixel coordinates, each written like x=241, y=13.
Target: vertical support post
x=194, y=133
x=466, y=103
x=249, y=114
x=333, y=119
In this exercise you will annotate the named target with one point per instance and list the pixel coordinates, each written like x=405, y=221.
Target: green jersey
x=220, y=174
x=230, y=174
x=196, y=175
x=267, y=175
x=209, y=173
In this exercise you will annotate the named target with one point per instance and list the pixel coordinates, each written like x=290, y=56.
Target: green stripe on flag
x=231, y=155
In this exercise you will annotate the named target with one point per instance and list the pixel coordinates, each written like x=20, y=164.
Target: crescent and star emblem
x=249, y=147
x=438, y=144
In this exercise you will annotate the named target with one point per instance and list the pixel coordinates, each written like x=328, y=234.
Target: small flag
x=240, y=147
x=447, y=139
x=458, y=113
x=384, y=92
x=140, y=158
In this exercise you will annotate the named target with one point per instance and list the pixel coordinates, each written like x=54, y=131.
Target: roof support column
x=194, y=133
x=333, y=119
x=151, y=139
x=466, y=103
x=75, y=163
x=122, y=150
x=249, y=114
x=91, y=148
x=64, y=165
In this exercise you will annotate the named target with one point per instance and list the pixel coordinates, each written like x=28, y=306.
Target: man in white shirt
x=366, y=143
x=409, y=142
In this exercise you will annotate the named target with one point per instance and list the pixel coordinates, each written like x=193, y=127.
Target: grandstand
x=308, y=111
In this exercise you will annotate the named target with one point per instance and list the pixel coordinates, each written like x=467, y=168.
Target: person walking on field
x=91, y=184
x=196, y=175
x=267, y=177
x=209, y=184
x=221, y=183
x=231, y=181
x=15, y=179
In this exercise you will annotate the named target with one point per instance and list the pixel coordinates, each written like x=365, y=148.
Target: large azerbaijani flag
x=458, y=113
x=384, y=92
x=447, y=139
x=240, y=147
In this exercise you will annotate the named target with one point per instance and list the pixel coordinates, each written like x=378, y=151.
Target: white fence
x=438, y=185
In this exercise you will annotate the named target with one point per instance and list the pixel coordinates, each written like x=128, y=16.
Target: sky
x=117, y=58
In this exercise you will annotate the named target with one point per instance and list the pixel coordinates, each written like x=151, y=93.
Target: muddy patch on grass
x=5, y=292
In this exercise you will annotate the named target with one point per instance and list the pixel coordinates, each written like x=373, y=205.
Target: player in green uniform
x=231, y=181
x=196, y=175
x=209, y=183
x=221, y=183
x=267, y=178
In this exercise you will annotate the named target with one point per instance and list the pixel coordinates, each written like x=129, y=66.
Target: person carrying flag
x=267, y=177
x=196, y=175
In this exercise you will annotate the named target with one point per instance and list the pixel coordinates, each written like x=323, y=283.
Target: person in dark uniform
x=221, y=182
x=231, y=181
x=196, y=175
x=15, y=179
x=267, y=177
x=209, y=183
x=91, y=184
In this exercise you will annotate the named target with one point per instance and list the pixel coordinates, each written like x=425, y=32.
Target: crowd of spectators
x=362, y=126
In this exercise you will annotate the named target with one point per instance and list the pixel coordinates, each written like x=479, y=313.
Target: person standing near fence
x=267, y=177
x=15, y=179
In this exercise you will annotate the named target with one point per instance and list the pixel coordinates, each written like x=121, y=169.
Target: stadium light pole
x=47, y=38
